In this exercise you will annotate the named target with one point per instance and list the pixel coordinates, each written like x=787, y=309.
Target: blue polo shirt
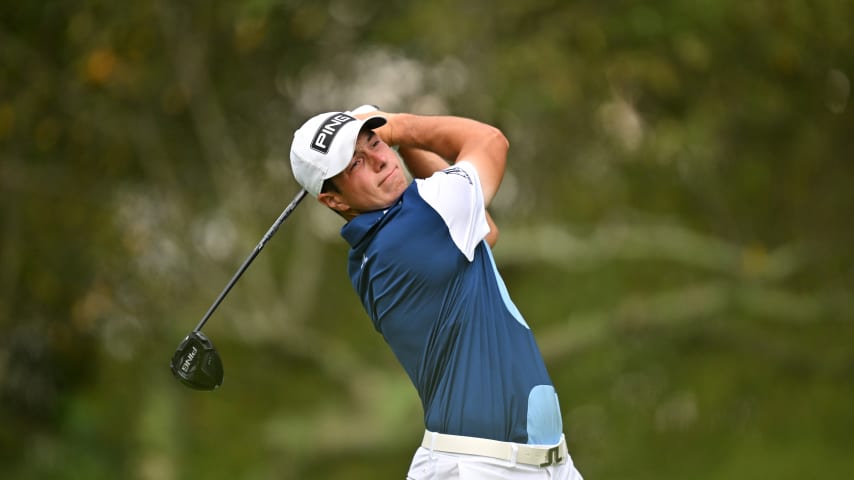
x=428, y=281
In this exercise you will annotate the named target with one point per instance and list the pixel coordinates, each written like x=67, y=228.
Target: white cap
x=323, y=147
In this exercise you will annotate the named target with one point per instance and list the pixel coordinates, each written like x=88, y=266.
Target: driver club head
x=196, y=363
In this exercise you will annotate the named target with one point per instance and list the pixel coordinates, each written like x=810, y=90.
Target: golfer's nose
x=377, y=162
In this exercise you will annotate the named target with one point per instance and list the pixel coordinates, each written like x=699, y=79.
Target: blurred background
x=677, y=228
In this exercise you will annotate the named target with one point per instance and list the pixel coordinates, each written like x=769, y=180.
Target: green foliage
x=676, y=227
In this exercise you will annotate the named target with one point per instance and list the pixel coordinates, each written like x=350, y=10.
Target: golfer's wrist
x=388, y=131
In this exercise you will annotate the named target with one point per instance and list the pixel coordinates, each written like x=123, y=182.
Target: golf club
x=196, y=362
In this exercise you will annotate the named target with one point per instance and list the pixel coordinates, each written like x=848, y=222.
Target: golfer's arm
x=453, y=138
x=423, y=164
x=491, y=237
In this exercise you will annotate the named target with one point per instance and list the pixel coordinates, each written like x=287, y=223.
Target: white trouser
x=430, y=464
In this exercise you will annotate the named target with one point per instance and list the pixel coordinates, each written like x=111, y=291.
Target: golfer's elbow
x=505, y=140
x=492, y=161
x=498, y=142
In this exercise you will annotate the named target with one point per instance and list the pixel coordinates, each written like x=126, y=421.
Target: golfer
x=421, y=263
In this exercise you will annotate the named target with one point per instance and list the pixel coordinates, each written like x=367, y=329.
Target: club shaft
x=267, y=236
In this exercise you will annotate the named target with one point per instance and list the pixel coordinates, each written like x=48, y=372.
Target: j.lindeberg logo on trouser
x=322, y=140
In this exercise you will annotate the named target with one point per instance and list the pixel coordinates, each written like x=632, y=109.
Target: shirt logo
x=458, y=171
x=322, y=140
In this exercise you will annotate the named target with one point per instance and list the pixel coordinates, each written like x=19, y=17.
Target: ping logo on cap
x=328, y=129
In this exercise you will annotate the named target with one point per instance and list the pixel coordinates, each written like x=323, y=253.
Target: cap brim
x=375, y=122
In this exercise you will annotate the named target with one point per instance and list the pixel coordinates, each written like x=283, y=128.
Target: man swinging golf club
x=421, y=263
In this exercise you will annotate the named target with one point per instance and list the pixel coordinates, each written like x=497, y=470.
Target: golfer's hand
x=386, y=131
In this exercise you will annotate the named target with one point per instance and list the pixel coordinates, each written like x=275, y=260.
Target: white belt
x=538, y=455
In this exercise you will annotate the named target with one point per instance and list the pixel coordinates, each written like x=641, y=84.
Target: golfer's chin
x=381, y=200
x=394, y=185
x=389, y=196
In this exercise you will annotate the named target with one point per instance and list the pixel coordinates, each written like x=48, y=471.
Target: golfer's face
x=374, y=179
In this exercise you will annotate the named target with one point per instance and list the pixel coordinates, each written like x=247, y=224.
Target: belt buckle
x=552, y=457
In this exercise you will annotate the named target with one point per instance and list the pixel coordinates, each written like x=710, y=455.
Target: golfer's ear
x=333, y=201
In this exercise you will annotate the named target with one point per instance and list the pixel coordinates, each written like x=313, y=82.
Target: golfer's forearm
x=421, y=163
x=449, y=137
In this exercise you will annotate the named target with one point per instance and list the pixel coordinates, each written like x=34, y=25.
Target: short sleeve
x=456, y=195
